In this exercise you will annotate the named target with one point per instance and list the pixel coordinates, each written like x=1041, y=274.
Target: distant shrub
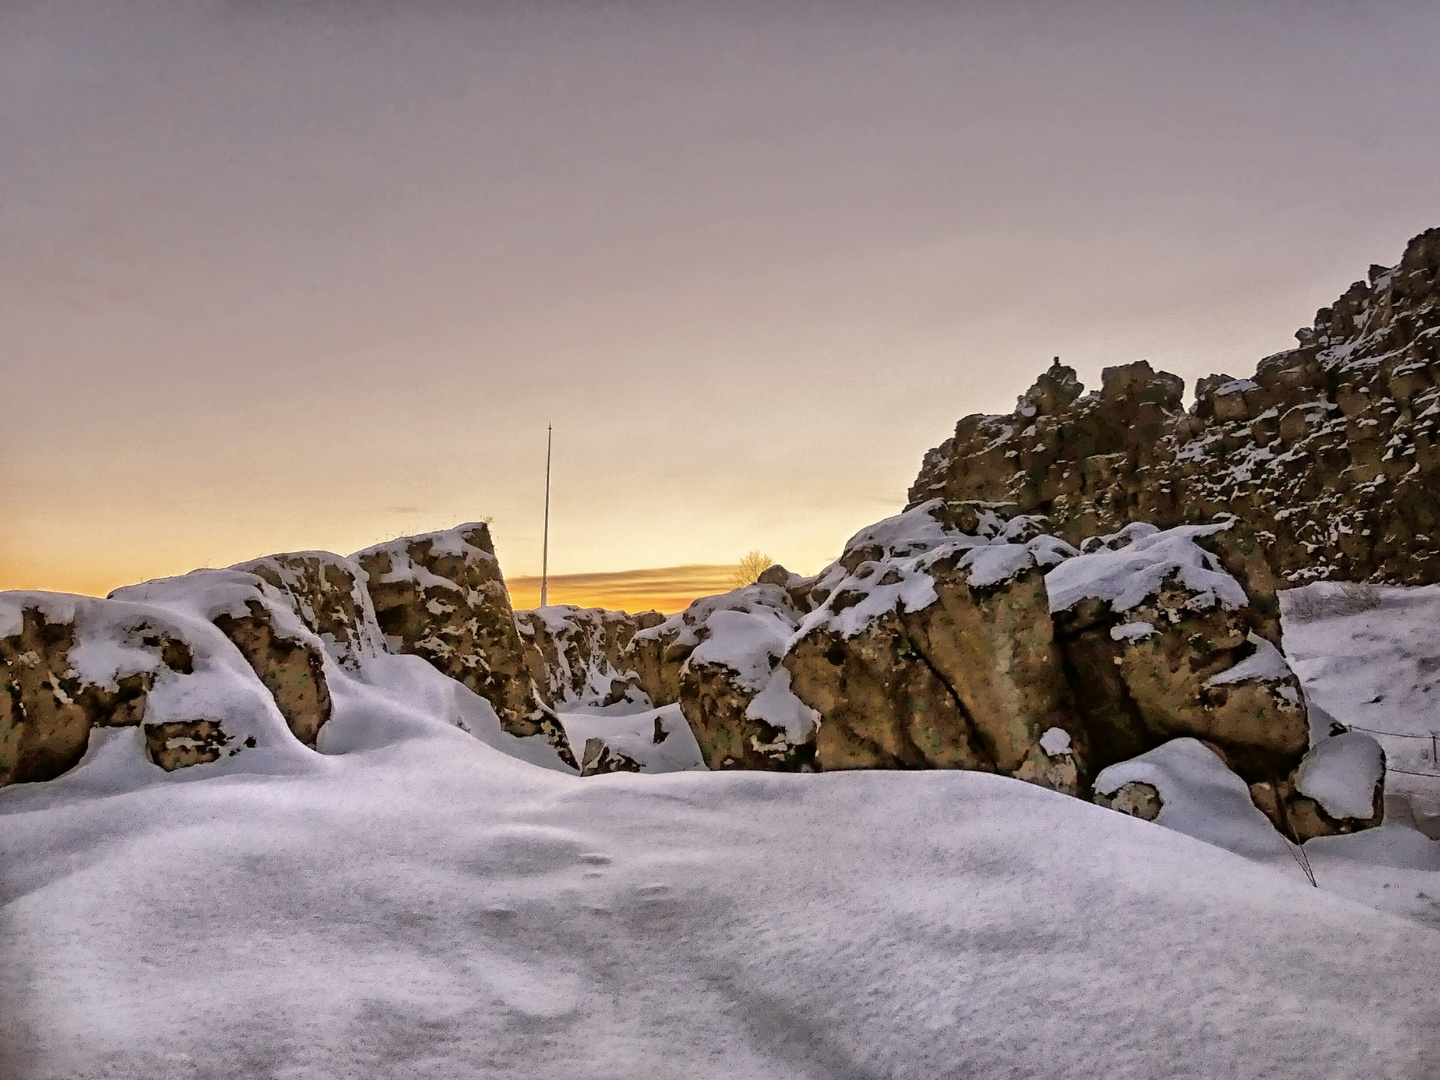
x=1327, y=601
x=749, y=569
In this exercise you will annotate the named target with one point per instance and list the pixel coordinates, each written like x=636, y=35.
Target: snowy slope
x=1376, y=670
x=430, y=907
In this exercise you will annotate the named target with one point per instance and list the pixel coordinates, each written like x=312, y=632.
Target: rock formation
x=258, y=620
x=720, y=659
x=441, y=596
x=1081, y=594
x=931, y=646
x=74, y=665
x=1329, y=455
x=578, y=654
x=328, y=595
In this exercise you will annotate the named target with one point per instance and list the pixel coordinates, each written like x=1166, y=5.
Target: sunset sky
x=279, y=276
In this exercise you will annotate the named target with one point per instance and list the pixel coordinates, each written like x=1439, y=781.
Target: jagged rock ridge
x=1328, y=454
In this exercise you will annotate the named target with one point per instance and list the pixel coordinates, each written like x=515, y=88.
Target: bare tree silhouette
x=749, y=569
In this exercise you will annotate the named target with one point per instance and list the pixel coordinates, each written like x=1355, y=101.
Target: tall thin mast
x=545, y=547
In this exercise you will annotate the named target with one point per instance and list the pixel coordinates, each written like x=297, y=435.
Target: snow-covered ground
x=1376, y=670
x=435, y=908
x=417, y=901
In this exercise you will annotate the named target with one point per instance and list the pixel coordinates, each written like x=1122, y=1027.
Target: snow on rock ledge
x=1195, y=793
x=1160, y=642
x=577, y=655
x=77, y=667
x=720, y=658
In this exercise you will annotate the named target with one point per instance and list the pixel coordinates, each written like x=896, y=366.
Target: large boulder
x=441, y=596
x=72, y=666
x=259, y=621
x=720, y=660
x=1329, y=454
x=1160, y=644
x=931, y=647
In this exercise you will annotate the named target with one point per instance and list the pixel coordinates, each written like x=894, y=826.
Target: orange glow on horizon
x=666, y=589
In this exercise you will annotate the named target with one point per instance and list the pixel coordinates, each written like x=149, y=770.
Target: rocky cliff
x=1328, y=454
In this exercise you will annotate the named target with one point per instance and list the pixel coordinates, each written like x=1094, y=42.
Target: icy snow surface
x=1378, y=672
x=425, y=906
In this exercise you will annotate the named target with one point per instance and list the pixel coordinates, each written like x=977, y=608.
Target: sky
x=292, y=275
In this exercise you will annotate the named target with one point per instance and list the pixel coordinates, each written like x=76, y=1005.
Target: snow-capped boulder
x=577, y=655
x=720, y=658
x=259, y=620
x=1160, y=643
x=441, y=596
x=931, y=647
x=74, y=668
x=1337, y=788
x=1186, y=786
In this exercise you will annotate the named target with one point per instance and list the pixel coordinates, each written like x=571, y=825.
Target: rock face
x=328, y=595
x=1329, y=454
x=46, y=707
x=932, y=647
x=441, y=596
x=577, y=655
x=1160, y=643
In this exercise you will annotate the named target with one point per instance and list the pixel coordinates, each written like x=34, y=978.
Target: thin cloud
x=666, y=588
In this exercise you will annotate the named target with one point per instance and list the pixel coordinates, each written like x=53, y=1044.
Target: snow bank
x=1200, y=797
x=1375, y=669
x=435, y=908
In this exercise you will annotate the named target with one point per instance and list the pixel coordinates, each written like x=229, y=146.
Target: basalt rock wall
x=1328, y=454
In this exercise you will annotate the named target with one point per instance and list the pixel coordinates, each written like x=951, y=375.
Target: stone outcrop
x=1329, y=455
x=182, y=743
x=72, y=665
x=441, y=596
x=265, y=625
x=720, y=660
x=1159, y=642
x=932, y=647
x=328, y=594
x=48, y=705
x=577, y=655
x=1338, y=788
x=292, y=669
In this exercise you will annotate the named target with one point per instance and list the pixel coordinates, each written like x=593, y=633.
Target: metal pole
x=545, y=547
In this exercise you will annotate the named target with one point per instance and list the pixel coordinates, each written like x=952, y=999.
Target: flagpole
x=545, y=548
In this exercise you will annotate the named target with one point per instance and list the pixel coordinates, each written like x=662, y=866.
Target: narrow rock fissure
x=974, y=736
